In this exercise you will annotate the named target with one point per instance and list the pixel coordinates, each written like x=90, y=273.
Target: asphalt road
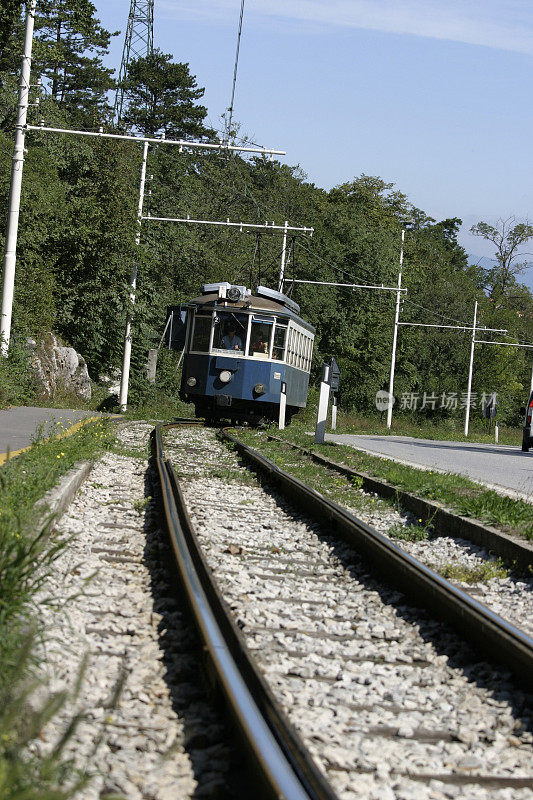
x=494, y=464
x=19, y=426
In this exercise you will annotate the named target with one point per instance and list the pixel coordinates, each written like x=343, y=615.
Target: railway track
x=357, y=687
x=513, y=549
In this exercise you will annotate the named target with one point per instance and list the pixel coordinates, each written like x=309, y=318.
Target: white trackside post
x=282, y=406
x=282, y=266
x=496, y=432
x=16, y=183
x=323, y=403
x=125, y=377
x=469, y=390
x=334, y=413
x=395, y=337
x=531, y=383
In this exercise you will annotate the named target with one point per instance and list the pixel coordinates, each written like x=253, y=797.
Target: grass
x=409, y=533
x=420, y=427
x=481, y=573
x=453, y=491
x=27, y=555
x=231, y=475
x=342, y=490
x=140, y=506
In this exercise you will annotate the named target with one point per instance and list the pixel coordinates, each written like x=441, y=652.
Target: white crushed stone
x=379, y=692
x=142, y=748
x=509, y=597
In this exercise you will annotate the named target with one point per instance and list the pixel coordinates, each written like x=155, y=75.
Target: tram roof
x=250, y=303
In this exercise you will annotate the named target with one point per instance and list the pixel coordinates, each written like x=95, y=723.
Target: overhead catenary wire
x=230, y=109
x=329, y=264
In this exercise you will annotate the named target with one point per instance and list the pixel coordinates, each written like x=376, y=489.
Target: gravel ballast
x=113, y=603
x=391, y=703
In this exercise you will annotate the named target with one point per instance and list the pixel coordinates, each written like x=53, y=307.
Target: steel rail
x=444, y=522
x=286, y=770
x=500, y=640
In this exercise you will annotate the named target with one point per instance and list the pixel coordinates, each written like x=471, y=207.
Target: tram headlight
x=225, y=376
x=259, y=388
x=191, y=381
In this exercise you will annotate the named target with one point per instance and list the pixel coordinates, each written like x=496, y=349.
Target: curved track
x=277, y=752
x=284, y=767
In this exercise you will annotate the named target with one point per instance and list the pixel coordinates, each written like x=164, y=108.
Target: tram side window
x=202, y=333
x=278, y=351
x=290, y=353
x=260, y=335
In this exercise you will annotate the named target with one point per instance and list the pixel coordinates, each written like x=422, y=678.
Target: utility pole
x=126, y=359
x=469, y=390
x=395, y=338
x=282, y=266
x=16, y=182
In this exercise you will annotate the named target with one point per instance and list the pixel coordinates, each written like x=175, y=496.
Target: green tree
x=161, y=97
x=10, y=33
x=69, y=45
x=508, y=237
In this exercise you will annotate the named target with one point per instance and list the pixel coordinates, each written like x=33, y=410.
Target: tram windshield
x=251, y=335
x=201, y=334
x=260, y=337
x=230, y=331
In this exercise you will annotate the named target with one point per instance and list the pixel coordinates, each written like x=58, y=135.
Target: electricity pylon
x=139, y=43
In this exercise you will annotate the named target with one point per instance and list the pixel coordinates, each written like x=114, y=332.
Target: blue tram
x=239, y=348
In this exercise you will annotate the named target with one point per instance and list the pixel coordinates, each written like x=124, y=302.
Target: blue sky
x=433, y=96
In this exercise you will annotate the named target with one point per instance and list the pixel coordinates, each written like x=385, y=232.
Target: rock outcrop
x=59, y=369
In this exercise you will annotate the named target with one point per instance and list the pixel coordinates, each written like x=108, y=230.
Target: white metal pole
x=125, y=377
x=395, y=337
x=334, y=413
x=182, y=144
x=282, y=406
x=16, y=183
x=323, y=403
x=531, y=384
x=469, y=390
x=282, y=266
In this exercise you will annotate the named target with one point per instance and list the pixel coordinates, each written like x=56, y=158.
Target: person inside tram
x=231, y=341
x=260, y=343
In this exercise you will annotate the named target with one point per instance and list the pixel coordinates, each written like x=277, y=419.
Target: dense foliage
x=78, y=225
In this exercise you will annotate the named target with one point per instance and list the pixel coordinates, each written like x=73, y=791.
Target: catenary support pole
x=323, y=403
x=395, y=337
x=16, y=182
x=470, y=368
x=282, y=266
x=126, y=359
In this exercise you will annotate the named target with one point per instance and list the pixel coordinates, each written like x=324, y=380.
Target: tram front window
x=202, y=333
x=230, y=332
x=260, y=335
